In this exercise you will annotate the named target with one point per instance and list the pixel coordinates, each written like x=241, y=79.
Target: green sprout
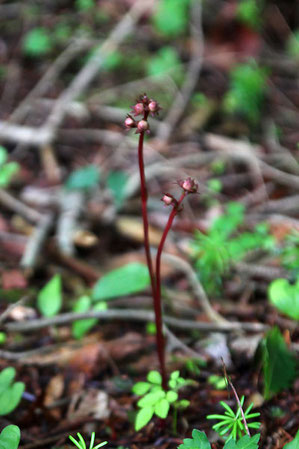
x=232, y=421
x=81, y=443
x=155, y=400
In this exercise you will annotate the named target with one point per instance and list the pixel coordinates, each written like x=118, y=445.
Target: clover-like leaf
x=10, y=392
x=285, y=297
x=199, y=440
x=10, y=437
x=162, y=408
x=141, y=388
x=154, y=377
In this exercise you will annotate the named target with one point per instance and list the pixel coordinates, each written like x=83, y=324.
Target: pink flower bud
x=169, y=200
x=130, y=122
x=154, y=107
x=189, y=185
x=142, y=126
x=138, y=109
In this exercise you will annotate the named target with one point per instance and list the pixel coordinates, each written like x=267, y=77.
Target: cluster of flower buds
x=144, y=106
x=189, y=185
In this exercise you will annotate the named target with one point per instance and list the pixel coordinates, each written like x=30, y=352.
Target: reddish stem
x=157, y=297
x=144, y=196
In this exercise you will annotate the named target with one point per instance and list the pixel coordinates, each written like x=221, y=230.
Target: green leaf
x=199, y=440
x=154, y=377
x=151, y=399
x=116, y=182
x=37, y=42
x=171, y=17
x=129, y=279
x=247, y=442
x=141, y=388
x=85, y=178
x=81, y=327
x=7, y=171
x=10, y=391
x=247, y=91
x=143, y=417
x=84, y=5
x=164, y=60
x=171, y=396
x=3, y=155
x=49, y=299
x=294, y=444
x=162, y=408
x=10, y=437
x=285, y=297
x=279, y=364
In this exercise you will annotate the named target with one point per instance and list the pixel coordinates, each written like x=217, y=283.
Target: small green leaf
x=7, y=171
x=164, y=60
x=171, y=396
x=285, y=297
x=151, y=398
x=3, y=155
x=162, y=408
x=116, y=182
x=37, y=42
x=10, y=437
x=85, y=178
x=10, y=392
x=171, y=17
x=279, y=364
x=81, y=327
x=129, y=279
x=199, y=440
x=143, y=417
x=49, y=299
x=141, y=388
x=154, y=377
x=294, y=444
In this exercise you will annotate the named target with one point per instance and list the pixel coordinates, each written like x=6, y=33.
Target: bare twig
x=131, y=315
x=71, y=206
x=74, y=48
x=7, y=200
x=36, y=241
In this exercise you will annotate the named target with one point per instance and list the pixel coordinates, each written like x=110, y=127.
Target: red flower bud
x=138, y=109
x=130, y=122
x=142, y=126
x=189, y=185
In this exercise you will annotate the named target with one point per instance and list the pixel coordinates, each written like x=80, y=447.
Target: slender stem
x=157, y=297
x=144, y=196
x=236, y=397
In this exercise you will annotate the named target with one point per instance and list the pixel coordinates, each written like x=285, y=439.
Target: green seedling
x=199, y=440
x=10, y=391
x=231, y=422
x=247, y=91
x=217, y=250
x=157, y=401
x=37, y=43
x=49, y=299
x=10, y=437
x=81, y=443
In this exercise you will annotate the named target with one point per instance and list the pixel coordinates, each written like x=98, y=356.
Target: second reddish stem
x=157, y=298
